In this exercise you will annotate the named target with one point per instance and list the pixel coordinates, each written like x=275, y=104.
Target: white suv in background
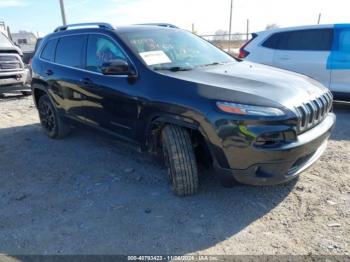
x=321, y=52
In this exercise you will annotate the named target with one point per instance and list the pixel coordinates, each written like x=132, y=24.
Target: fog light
x=270, y=140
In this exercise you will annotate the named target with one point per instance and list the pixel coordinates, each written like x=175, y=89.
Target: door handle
x=86, y=81
x=285, y=58
x=49, y=72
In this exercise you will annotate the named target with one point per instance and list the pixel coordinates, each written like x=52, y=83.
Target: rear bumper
x=282, y=164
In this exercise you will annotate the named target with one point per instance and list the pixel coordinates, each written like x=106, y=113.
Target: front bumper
x=14, y=81
x=278, y=165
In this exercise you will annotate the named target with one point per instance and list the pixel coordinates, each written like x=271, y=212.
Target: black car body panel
x=244, y=147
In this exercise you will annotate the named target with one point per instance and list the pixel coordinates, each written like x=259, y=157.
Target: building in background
x=26, y=40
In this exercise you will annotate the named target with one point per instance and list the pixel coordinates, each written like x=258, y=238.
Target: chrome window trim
x=85, y=70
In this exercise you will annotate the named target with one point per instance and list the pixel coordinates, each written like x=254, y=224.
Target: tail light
x=242, y=52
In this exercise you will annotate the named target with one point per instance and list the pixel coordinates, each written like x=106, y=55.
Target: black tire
x=180, y=160
x=51, y=123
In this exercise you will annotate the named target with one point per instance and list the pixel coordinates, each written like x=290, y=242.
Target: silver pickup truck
x=14, y=75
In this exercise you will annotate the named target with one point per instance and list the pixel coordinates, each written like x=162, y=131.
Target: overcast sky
x=207, y=15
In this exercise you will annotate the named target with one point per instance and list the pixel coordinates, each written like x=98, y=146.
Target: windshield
x=174, y=49
x=4, y=42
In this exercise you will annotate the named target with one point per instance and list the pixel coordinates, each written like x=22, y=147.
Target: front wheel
x=180, y=160
x=51, y=123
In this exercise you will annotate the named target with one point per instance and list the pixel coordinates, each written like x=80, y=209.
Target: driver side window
x=101, y=50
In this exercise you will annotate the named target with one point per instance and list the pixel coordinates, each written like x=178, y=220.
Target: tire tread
x=183, y=166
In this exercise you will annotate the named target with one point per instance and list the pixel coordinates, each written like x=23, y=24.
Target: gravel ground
x=89, y=194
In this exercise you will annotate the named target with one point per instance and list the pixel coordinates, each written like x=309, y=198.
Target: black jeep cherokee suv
x=166, y=90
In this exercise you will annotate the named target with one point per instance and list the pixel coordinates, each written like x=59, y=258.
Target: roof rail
x=100, y=25
x=161, y=24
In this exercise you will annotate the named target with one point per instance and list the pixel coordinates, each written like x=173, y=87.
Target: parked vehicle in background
x=37, y=45
x=26, y=41
x=166, y=90
x=14, y=75
x=321, y=52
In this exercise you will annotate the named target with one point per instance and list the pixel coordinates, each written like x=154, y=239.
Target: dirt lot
x=89, y=194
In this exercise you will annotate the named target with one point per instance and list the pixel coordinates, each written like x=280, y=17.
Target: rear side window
x=48, y=52
x=273, y=41
x=38, y=43
x=301, y=40
x=70, y=50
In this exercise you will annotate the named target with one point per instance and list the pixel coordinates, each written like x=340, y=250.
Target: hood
x=11, y=49
x=286, y=88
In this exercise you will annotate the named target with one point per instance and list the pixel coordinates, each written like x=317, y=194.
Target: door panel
x=310, y=63
x=62, y=69
x=305, y=51
x=111, y=101
x=339, y=61
x=67, y=91
x=112, y=104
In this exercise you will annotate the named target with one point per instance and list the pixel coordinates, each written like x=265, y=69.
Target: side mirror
x=116, y=67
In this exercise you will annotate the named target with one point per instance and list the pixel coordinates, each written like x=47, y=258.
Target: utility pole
x=230, y=28
x=63, y=13
x=319, y=19
x=247, y=29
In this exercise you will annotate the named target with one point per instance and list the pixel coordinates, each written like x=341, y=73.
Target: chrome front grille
x=313, y=112
x=10, y=62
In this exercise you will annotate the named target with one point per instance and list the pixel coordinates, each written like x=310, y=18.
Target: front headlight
x=240, y=109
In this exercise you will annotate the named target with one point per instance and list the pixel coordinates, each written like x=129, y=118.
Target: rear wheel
x=180, y=160
x=51, y=123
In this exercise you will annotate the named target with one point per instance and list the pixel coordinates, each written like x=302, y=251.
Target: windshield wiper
x=173, y=68
x=212, y=64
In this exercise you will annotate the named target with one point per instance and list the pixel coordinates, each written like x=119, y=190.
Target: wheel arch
x=158, y=122
x=38, y=89
x=175, y=120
